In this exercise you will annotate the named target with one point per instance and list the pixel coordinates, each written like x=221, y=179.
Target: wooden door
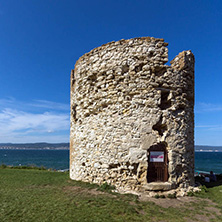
x=157, y=163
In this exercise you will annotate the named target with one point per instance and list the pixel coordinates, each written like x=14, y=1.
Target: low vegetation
x=41, y=195
x=33, y=167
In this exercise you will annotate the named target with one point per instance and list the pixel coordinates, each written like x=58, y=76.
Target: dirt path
x=206, y=214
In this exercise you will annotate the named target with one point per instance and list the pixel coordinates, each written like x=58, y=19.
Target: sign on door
x=156, y=156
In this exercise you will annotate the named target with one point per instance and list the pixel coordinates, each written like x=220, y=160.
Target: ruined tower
x=132, y=117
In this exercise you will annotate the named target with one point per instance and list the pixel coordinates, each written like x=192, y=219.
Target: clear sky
x=40, y=41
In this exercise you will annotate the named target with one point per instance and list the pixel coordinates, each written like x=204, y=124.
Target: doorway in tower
x=157, y=163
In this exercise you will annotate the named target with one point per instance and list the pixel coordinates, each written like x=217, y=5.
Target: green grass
x=40, y=195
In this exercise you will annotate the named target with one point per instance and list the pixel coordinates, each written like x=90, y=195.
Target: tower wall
x=125, y=100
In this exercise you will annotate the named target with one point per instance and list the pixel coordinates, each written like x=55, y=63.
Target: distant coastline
x=210, y=151
x=202, y=148
x=65, y=146
x=34, y=146
x=20, y=148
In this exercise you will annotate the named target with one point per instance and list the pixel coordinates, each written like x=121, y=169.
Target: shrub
x=190, y=194
x=3, y=166
x=33, y=167
x=157, y=196
x=172, y=195
x=106, y=187
x=162, y=196
x=204, y=189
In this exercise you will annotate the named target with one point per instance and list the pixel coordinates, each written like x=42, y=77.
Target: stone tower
x=132, y=117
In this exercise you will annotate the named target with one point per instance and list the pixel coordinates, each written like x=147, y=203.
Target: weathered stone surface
x=158, y=186
x=124, y=99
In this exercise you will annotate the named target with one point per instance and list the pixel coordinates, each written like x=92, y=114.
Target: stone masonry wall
x=124, y=99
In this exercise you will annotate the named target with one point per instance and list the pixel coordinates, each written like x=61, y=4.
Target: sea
x=208, y=161
x=50, y=159
x=59, y=159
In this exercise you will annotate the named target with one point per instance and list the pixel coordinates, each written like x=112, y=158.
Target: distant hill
x=199, y=148
x=64, y=146
x=34, y=146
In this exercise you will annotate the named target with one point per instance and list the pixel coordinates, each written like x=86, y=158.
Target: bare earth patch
x=214, y=210
x=206, y=214
x=82, y=190
x=166, y=202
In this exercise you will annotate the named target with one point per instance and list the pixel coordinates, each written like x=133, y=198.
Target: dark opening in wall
x=72, y=78
x=159, y=127
x=159, y=71
x=139, y=67
x=151, y=54
x=74, y=112
x=135, y=167
x=125, y=68
x=112, y=165
x=87, y=114
x=165, y=103
x=104, y=105
x=92, y=77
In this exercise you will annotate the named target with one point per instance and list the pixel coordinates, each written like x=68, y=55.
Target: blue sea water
x=55, y=159
x=207, y=161
x=59, y=159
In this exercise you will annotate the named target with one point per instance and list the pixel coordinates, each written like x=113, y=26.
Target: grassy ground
x=39, y=195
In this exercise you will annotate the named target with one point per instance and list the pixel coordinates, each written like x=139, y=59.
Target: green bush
x=33, y=167
x=106, y=187
x=204, y=189
x=157, y=196
x=172, y=195
x=3, y=166
x=190, y=194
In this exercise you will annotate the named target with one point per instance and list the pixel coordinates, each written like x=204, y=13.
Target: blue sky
x=40, y=41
